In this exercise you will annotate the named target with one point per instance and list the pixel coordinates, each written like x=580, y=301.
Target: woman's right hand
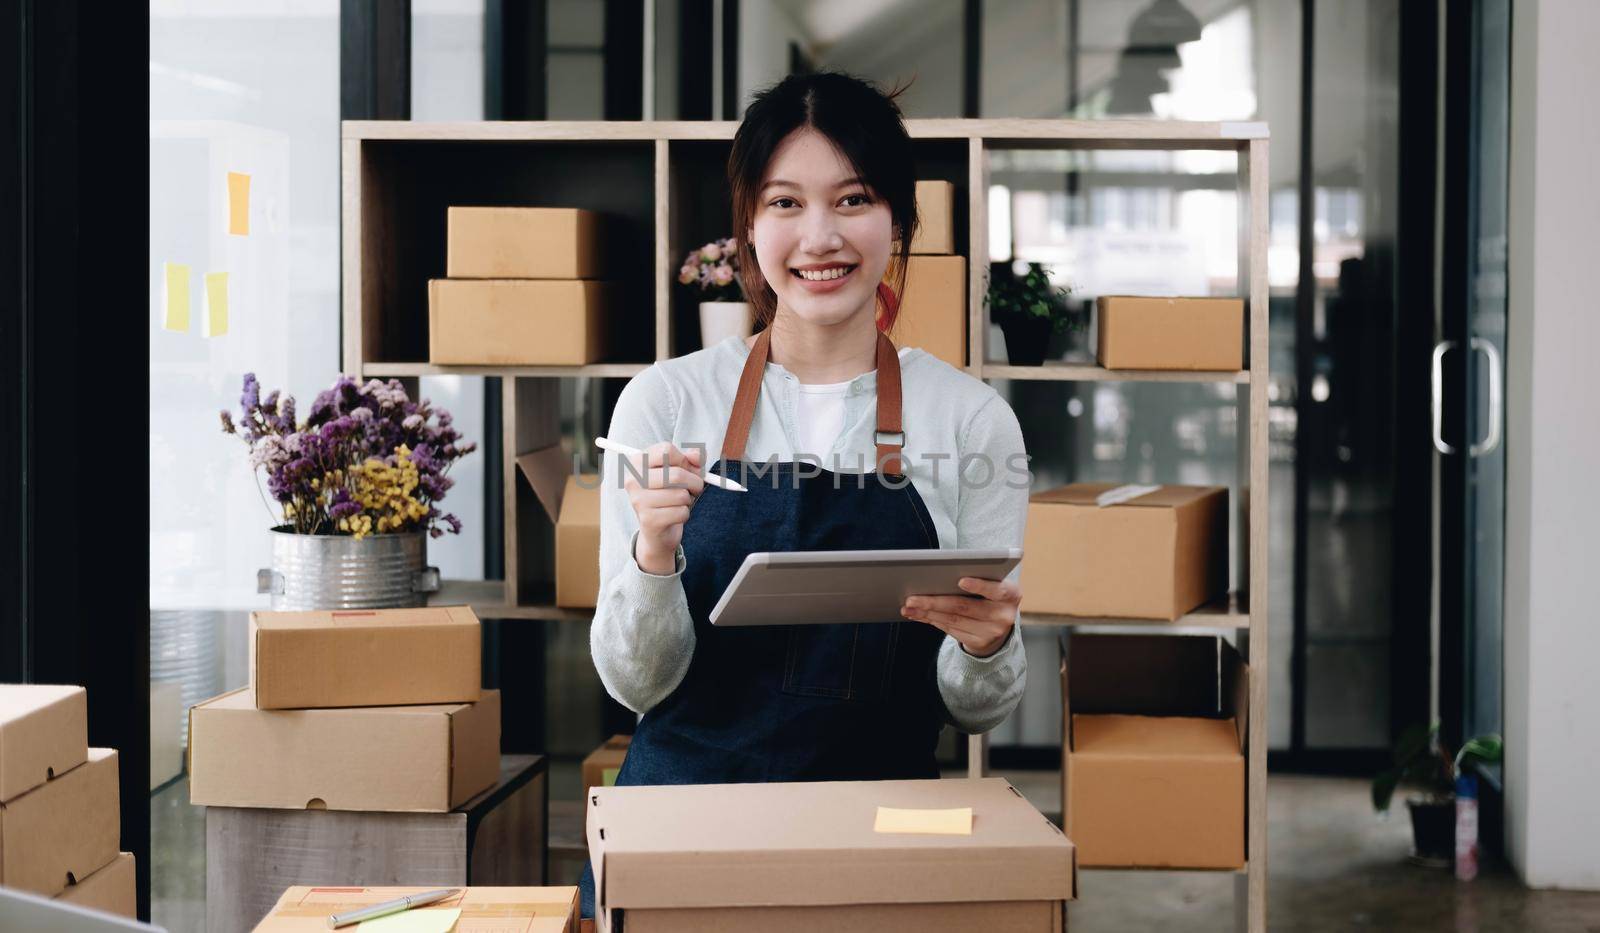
x=663, y=484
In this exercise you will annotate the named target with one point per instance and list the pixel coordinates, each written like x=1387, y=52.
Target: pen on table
x=623, y=449
x=389, y=907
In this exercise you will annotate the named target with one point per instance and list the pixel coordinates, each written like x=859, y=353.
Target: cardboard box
x=1170, y=333
x=424, y=759
x=304, y=909
x=793, y=857
x=573, y=503
x=366, y=657
x=166, y=731
x=44, y=731
x=1154, y=740
x=936, y=231
x=518, y=322
x=62, y=830
x=933, y=310
x=601, y=767
x=523, y=243
x=1156, y=556
x=113, y=889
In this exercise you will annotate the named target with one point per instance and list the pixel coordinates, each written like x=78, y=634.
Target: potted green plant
x=1028, y=309
x=1423, y=762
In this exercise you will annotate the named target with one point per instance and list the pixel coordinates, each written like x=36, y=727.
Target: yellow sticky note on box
x=175, y=296
x=214, y=323
x=420, y=920
x=238, y=204
x=954, y=822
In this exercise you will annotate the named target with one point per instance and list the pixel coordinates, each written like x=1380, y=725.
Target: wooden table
x=497, y=838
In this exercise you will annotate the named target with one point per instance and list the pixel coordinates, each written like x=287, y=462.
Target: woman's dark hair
x=864, y=123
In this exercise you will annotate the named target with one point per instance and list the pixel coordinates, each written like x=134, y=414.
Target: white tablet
x=820, y=587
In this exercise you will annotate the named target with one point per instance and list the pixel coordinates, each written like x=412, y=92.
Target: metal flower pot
x=386, y=571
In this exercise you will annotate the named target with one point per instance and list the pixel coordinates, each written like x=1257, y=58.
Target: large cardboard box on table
x=1157, y=555
x=601, y=767
x=518, y=321
x=64, y=830
x=425, y=759
x=366, y=657
x=113, y=889
x=936, y=230
x=933, y=310
x=523, y=243
x=304, y=909
x=1170, y=333
x=806, y=856
x=573, y=503
x=1153, y=747
x=44, y=731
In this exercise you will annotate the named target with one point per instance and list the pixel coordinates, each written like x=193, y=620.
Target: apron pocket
x=842, y=662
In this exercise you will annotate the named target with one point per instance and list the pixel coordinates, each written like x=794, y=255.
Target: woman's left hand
x=981, y=623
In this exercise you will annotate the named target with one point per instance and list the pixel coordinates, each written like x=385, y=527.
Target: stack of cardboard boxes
x=60, y=815
x=353, y=710
x=1153, y=726
x=522, y=289
x=933, y=310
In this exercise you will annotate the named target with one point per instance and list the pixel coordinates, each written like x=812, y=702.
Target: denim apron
x=802, y=702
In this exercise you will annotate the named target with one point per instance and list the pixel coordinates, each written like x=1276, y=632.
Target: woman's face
x=822, y=239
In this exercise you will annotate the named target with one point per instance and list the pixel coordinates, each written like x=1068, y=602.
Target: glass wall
x=247, y=90
x=250, y=88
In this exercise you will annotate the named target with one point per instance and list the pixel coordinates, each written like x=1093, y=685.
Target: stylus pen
x=389, y=907
x=627, y=451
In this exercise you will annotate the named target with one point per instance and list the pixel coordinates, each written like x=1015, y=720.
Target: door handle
x=1439, y=350
x=1491, y=439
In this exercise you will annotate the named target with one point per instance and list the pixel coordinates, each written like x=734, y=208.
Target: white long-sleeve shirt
x=963, y=451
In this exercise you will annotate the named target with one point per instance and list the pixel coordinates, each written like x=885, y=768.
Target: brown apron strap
x=889, y=437
x=744, y=403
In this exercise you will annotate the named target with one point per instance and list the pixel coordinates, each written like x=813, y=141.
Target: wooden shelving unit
x=664, y=180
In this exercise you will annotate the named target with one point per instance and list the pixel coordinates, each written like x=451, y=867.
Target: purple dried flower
x=286, y=415
x=227, y=423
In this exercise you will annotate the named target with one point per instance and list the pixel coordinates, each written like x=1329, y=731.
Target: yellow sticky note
x=215, y=321
x=238, y=204
x=419, y=920
x=957, y=822
x=608, y=777
x=175, y=296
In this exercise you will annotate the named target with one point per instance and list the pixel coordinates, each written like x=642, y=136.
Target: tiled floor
x=1334, y=867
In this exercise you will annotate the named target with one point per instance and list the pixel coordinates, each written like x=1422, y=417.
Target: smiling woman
x=824, y=207
x=825, y=196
